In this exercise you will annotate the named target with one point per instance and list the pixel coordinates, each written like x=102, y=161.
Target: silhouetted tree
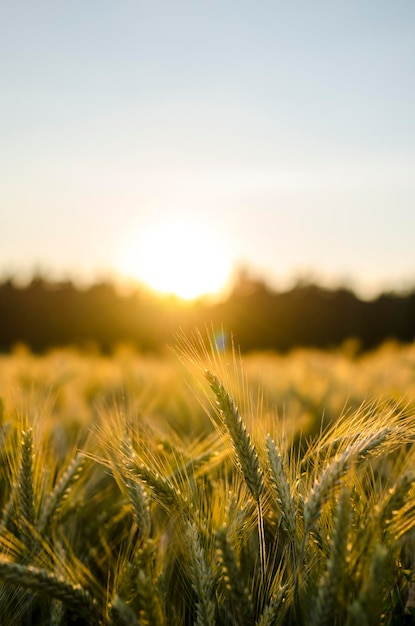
x=44, y=314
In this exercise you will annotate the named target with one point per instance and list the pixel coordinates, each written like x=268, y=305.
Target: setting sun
x=178, y=256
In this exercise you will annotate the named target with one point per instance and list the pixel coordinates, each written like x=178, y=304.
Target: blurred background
x=155, y=153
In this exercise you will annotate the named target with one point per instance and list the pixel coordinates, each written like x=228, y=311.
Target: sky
x=284, y=131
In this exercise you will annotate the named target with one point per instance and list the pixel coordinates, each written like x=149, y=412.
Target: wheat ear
x=368, y=607
x=56, y=498
x=324, y=613
x=150, y=599
x=139, y=506
x=397, y=499
x=160, y=488
x=202, y=580
x=245, y=450
x=26, y=489
x=282, y=489
x=8, y=508
x=275, y=611
x=329, y=480
x=246, y=455
x=232, y=578
x=121, y=614
x=57, y=613
x=47, y=584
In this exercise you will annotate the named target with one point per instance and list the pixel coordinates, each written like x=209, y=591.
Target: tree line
x=43, y=315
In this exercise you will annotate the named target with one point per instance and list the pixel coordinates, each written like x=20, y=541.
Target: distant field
x=205, y=488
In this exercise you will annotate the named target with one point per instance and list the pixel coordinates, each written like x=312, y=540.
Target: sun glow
x=178, y=256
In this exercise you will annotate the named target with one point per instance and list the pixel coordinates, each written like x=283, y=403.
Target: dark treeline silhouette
x=43, y=315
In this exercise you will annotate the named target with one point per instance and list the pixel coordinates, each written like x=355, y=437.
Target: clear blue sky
x=289, y=126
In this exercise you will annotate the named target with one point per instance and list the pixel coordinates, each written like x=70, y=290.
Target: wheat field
x=203, y=487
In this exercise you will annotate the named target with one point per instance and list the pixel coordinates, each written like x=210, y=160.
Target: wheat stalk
x=275, y=611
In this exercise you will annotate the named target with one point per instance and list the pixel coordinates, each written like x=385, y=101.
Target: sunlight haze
x=286, y=130
x=177, y=255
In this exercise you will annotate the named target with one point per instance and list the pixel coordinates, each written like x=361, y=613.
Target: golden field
x=206, y=487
